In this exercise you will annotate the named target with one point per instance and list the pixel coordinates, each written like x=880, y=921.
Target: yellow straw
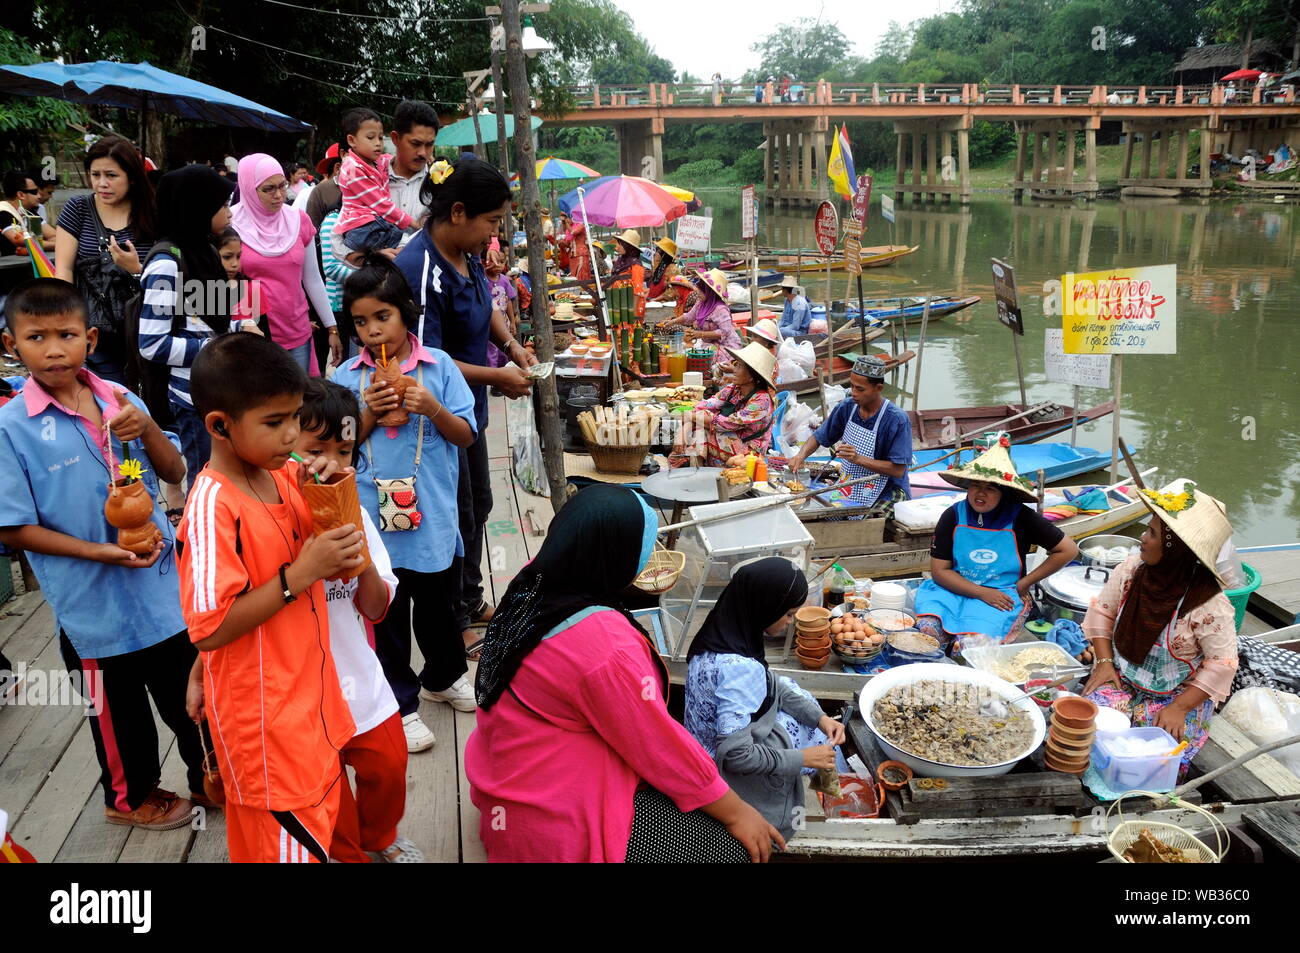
x=383, y=355
x=1178, y=749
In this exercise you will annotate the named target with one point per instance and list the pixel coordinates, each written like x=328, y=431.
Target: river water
x=1224, y=410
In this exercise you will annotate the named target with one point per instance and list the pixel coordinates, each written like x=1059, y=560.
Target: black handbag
x=107, y=288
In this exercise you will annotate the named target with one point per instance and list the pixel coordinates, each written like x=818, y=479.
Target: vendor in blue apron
x=978, y=583
x=871, y=436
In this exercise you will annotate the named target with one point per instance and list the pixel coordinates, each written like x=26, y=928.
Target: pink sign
x=826, y=227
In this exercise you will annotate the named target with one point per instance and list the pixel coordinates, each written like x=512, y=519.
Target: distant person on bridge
x=797, y=314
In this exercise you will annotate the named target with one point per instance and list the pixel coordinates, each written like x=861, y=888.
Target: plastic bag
x=526, y=446
x=1265, y=715
x=798, y=423
x=833, y=395
x=802, y=353
x=788, y=372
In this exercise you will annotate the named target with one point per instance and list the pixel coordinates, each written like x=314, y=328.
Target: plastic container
x=1239, y=597
x=991, y=658
x=858, y=798
x=838, y=582
x=1136, y=772
x=893, y=657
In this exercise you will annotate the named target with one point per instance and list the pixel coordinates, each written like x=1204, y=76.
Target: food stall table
x=683, y=485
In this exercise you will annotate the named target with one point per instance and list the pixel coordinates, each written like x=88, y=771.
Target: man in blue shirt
x=872, y=437
x=797, y=315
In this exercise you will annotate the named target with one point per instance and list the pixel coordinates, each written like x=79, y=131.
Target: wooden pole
x=1115, y=419
x=552, y=433
x=1074, y=418
x=920, y=353
x=1020, y=371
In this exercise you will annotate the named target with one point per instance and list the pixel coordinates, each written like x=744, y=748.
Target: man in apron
x=872, y=437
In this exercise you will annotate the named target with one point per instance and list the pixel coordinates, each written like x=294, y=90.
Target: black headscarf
x=187, y=200
x=592, y=553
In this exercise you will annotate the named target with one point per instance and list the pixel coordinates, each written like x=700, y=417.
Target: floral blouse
x=712, y=314
x=751, y=420
x=1208, y=633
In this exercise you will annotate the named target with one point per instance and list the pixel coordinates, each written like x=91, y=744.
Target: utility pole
x=498, y=45
x=530, y=205
x=474, y=79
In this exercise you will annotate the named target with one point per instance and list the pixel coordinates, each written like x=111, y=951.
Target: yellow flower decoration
x=439, y=171
x=1172, y=502
x=132, y=470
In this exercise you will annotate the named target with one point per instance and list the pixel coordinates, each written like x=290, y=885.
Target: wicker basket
x=661, y=571
x=617, y=459
x=1126, y=833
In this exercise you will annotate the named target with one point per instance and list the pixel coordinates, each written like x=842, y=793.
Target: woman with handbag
x=101, y=242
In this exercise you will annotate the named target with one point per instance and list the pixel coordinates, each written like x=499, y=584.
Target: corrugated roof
x=1224, y=55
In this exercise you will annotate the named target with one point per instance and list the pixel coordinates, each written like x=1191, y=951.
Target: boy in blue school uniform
x=118, y=614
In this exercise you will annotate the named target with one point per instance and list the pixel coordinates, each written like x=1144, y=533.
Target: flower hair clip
x=439, y=171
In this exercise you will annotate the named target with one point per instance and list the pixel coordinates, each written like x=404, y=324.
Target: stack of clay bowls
x=1070, y=735
x=812, y=626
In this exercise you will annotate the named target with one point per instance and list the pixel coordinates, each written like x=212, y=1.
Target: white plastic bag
x=802, y=354
x=526, y=446
x=833, y=394
x=798, y=423
x=788, y=372
x=1266, y=715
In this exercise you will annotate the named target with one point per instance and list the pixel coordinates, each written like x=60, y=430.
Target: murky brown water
x=1225, y=410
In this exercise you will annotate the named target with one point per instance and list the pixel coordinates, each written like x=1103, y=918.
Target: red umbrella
x=1241, y=74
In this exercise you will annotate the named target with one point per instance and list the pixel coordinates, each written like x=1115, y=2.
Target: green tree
x=806, y=49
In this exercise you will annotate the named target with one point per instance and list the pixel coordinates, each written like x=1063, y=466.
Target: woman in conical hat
x=735, y=421
x=710, y=319
x=977, y=560
x=1163, y=631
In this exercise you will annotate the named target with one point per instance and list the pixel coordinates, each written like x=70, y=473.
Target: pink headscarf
x=270, y=234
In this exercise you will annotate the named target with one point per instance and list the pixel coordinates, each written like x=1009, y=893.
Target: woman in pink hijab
x=280, y=257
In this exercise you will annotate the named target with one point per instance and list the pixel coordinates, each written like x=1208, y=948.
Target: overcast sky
x=704, y=36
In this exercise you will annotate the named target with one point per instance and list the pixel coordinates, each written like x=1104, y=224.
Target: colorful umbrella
x=553, y=167
x=462, y=133
x=683, y=194
x=40, y=263
x=624, y=201
x=1240, y=74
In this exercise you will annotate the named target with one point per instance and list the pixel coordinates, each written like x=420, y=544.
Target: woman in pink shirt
x=279, y=256
x=575, y=757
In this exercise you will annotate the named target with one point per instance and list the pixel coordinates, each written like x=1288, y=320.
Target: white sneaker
x=459, y=696
x=418, y=735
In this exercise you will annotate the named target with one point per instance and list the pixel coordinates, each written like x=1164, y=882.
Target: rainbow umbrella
x=622, y=201
x=40, y=263
x=553, y=167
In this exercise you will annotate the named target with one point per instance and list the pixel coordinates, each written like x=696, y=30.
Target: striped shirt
x=335, y=269
x=160, y=341
x=366, y=197
x=77, y=219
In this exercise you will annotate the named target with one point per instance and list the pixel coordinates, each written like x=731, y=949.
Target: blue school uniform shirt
x=53, y=474
x=429, y=548
x=893, y=439
x=455, y=311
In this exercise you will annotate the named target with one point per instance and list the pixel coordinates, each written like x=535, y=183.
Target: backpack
x=151, y=379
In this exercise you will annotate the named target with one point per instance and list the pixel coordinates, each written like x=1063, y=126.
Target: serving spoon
x=997, y=707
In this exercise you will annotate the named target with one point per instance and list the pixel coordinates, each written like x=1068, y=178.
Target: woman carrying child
x=764, y=731
x=408, y=484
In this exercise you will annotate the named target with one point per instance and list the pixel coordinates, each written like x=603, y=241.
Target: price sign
x=748, y=213
x=1082, y=370
x=1004, y=291
x=1122, y=311
x=826, y=228
x=856, y=225
x=693, y=232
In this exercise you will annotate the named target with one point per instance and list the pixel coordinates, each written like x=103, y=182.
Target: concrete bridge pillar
x=795, y=164
x=926, y=147
x=1174, y=138
x=641, y=148
x=1050, y=176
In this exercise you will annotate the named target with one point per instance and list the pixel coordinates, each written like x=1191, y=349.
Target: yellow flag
x=836, y=171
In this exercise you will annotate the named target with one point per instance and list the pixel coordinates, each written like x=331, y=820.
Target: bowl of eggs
x=854, y=639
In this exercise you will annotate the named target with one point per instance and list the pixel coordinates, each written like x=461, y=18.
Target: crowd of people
x=238, y=338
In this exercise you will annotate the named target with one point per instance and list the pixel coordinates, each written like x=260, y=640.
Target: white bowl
x=938, y=671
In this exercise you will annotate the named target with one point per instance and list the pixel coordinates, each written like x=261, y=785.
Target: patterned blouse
x=752, y=419
x=723, y=691
x=1208, y=633
x=712, y=314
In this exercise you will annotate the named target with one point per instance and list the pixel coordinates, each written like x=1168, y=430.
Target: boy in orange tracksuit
x=251, y=574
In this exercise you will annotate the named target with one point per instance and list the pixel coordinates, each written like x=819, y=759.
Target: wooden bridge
x=930, y=120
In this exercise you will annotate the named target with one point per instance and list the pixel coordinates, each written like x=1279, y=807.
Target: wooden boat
x=911, y=311
x=1150, y=191
x=941, y=428
x=876, y=256
x=1057, y=460
x=838, y=369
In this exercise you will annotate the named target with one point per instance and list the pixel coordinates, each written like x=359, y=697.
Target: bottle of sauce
x=836, y=586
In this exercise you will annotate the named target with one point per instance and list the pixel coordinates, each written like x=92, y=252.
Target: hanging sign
x=693, y=232
x=856, y=226
x=748, y=213
x=1081, y=370
x=826, y=228
x=1121, y=311
x=1004, y=292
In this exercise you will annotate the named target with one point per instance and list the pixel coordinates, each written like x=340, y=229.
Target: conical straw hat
x=759, y=360
x=715, y=279
x=993, y=466
x=1195, y=517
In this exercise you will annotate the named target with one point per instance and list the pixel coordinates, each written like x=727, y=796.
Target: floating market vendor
x=977, y=559
x=1163, y=632
x=663, y=268
x=579, y=252
x=870, y=435
x=796, y=317
x=737, y=419
x=710, y=319
x=564, y=244
x=764, y=332
x=627, y=269
x=763, y=730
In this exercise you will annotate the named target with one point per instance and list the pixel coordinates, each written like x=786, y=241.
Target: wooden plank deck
x=49, y=778
x=1279, y=593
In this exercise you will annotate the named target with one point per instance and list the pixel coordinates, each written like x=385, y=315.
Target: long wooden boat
x=876, y=256
x=911, y=311
x=1056, y=459
x=940, y=428
x=838, y=369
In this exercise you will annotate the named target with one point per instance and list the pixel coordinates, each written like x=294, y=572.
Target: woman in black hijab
x=186, y=299
x=763, y=731
x=574, y=747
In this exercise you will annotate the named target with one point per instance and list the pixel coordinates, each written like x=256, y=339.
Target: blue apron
x=987, y=556
x=864, y=442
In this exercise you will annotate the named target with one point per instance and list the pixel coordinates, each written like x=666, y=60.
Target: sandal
x=402, y=851
x=482, y=614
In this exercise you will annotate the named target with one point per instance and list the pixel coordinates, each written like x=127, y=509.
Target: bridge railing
x=825, y=93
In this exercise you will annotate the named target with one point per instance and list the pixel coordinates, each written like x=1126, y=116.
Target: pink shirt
x=279, y=283
x=366, y=196
x=558, y=788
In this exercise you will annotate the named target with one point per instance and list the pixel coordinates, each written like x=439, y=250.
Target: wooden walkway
x=49, y=778
x=1278, y=596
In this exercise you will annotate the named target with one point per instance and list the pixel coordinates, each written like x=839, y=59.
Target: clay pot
x=811, y=662
x=814, y=616
x=334, y=504
x=813, y=641
x=1074, y=712
x=1068, y=752
x=392, y=373
x=130, y=510
x=1065, y=767
x=813, y=631
x=887, y=769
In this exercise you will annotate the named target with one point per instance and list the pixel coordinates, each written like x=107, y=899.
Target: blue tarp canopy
x=145, y=87
x=462, y=133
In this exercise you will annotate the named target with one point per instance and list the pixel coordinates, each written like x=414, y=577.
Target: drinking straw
x=108, y=449
x=294, y=456
x=383, y=355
